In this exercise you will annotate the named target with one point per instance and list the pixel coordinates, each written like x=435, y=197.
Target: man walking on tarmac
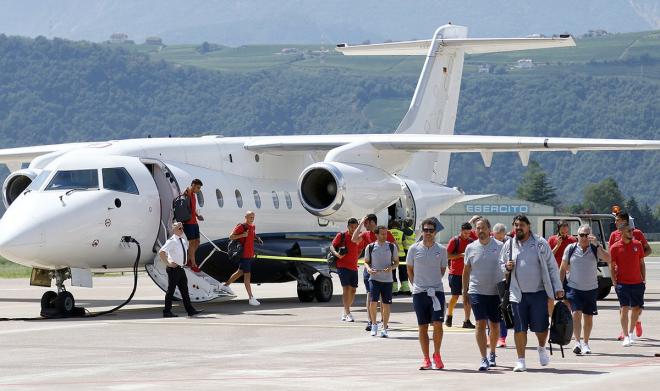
x=455, y=251
x=363, y=236
x=347, y=266
x=534, y=279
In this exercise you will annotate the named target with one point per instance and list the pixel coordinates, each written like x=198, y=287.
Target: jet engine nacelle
x=16, y=183
x=336, y=191
x=431, y=199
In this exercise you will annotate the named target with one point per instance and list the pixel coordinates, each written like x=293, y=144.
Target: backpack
x=457, y=243
x=182, y=208
x=504, y=290
x=235, y=247
x=561, y=326
x=571, y=250
x=371, y=249
x=331, y=259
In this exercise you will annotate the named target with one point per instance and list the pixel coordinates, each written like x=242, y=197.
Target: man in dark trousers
x=174, y=254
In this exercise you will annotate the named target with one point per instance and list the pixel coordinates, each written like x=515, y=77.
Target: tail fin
x=435, y=102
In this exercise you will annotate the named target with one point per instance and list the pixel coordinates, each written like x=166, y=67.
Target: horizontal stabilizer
x=469, y=45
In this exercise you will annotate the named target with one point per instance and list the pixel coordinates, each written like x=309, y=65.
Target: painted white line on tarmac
x=52, y=327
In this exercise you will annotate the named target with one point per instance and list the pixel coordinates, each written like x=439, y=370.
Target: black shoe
x=396, y=293
x=448, y=321
x=196, y=312
x=468, y=325
x=169, y=315
x=368, y=328
x=407, y=293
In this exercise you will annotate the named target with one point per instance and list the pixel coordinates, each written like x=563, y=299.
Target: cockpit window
x=74, y=179
x=39, y=180
x=118, y=179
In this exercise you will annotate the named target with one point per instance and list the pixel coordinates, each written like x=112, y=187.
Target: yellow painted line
x=302, y=259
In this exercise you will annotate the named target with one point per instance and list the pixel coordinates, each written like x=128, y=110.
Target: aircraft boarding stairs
x=201, y=286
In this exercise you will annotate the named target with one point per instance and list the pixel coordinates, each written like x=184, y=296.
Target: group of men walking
x=538, y=272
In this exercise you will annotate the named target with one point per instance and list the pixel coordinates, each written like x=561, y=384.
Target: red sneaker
x=426, y=364
x=195, y=269
x=437, y=361
x=638, y=329
x=501, y=342
x=620, y=337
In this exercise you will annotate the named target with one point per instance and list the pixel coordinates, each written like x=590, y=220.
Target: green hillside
x=58, y=91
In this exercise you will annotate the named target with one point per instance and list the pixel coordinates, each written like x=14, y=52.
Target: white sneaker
x=374, y=329
x=520, y=366
x=349, y=317
x=227, y=289
x=544, y=357
x=585, y=349
x=626, y=342
x=632, y=338
x=253, y=301
x=383, y=332
x=343, y=317
x=578, y=348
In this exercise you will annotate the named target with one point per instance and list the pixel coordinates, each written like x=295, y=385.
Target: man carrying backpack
x=347, y=266
x=379, y=259
x=455, y=251
x=191, y=226
x=246, y=234
x=580, y=261
x=534, y=279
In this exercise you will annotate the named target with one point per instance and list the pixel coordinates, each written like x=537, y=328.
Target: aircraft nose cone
x=21, y=238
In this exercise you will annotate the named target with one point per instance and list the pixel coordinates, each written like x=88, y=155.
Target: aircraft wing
x=486, y=145
x=14, y=157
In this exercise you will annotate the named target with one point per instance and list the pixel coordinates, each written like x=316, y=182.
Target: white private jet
x=68, y=211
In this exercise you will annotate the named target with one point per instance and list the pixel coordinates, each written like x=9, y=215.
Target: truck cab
x=602, y=226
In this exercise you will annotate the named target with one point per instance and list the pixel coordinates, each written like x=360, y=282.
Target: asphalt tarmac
x=285, y=344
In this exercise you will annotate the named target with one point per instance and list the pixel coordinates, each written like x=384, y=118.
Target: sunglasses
x=429, y=230
x=583, y=235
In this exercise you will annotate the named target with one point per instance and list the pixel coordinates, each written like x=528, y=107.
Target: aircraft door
x=168, y=189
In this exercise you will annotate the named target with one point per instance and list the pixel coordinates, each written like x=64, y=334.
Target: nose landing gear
x=61, y=304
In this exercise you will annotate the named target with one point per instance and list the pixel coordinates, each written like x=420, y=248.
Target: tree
x=535, y=186
x=601, y=196
x=633, y=210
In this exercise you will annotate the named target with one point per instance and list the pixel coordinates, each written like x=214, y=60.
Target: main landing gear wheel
x=305, y=296
x=323, y=288
x=48, y=301
x=65, y=303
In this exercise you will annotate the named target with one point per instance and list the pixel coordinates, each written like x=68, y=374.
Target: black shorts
x=456, y=284
x=245, y=264
x=423, y=305
x=485, y=307
x=631, y=295
x=191, y=231
x=381, y=290
x=531, y=313
x=348, y=277
x=583, y=301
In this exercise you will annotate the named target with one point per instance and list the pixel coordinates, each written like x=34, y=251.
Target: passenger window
x=218, y=196
x=257, y=199
x=239, y=198
x=74, y=179
x=118, y=179
x=276, y=200
x=287, y=198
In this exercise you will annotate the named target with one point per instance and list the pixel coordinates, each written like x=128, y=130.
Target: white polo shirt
x=174, y=250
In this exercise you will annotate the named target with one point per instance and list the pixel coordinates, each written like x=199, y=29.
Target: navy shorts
x=456, y=284
x=531, y=313
x=348, y=277
x=486, y=307
x=191, y=231
x=631, y=295
x=381, y=290
x=583, y=301
x=245, y=264
x=365, y=278
x=423, y=306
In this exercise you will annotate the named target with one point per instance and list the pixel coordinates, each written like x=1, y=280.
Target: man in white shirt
x=174, y=254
